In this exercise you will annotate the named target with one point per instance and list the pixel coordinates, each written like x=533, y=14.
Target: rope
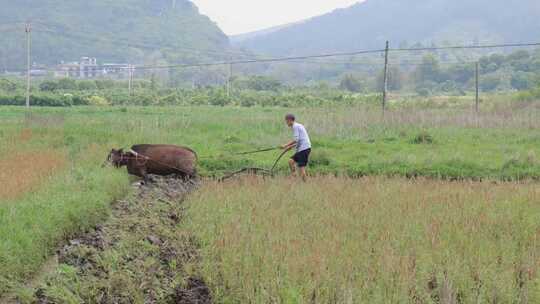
x=257, y=151
x=270, y=172
x=253, y=170
x=277, y=161
x=242, y=153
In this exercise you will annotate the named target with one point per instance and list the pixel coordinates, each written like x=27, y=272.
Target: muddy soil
x=140, y=255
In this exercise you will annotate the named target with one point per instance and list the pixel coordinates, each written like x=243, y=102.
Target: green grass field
x=448, y=143
x=51, y=203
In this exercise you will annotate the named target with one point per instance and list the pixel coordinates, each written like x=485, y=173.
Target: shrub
x=48, y=86
x=350, y=83
x=522, y=80
x=490, y=83
x=98, y=101
x=424, y=92
x=87, y=85
x=320, y=158
x=8, y=85
x=231, y=139
x=258, y=83
x=422, y=138
x=247, y=103
x=219, y=98
x=67, y=84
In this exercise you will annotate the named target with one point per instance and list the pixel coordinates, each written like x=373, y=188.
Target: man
x=303, y=146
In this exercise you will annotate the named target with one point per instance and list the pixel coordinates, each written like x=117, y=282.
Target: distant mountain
x=113, y=31
x=367, y=25
x=236, y=39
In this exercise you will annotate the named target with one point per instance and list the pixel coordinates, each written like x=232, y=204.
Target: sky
x=242, y=16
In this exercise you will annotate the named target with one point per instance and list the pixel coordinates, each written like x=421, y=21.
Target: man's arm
x=289, y=145
x=294, y=142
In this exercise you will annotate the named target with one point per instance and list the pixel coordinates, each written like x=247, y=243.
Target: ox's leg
x=144, y=174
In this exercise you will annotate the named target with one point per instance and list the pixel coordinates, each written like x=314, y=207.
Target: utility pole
x=130, y=79
x=385, y=85
x=477, y=99
x=229, y=78
x=28, y=31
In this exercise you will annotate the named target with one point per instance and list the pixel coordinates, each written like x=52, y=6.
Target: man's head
x=290, y=119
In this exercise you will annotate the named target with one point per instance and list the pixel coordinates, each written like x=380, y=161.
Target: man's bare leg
x=303, y=173
x=292, y=165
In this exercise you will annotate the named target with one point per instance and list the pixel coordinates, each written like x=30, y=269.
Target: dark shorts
x=302, y=158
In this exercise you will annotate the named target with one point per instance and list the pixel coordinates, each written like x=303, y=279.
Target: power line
x=487, y=46
x=353, y=63
x=328, y=55
x=250, y=61
x=282, y=59
x=12, y=23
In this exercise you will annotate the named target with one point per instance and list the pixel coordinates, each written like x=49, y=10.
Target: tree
x=49, y=86
x=86, y=85
x=395, y=79
x=67, y=84
x=448, y=86
x=103, y=84
x=461, y=73
x=258, y=83
x=489, y=64
x=428, y=70
x=519, y=55
x=350, y=83
x=522, y=81
x=7, y=85
x=490, y=82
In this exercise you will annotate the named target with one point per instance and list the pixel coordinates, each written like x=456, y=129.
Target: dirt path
x=140, y=255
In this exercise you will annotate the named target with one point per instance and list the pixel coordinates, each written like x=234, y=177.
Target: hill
x=369, y=24
x=236, y=39
x=112, y=31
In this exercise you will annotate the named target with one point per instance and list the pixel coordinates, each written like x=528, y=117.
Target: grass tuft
x=422, y=138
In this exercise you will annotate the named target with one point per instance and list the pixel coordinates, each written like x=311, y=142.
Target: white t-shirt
x=301, y=137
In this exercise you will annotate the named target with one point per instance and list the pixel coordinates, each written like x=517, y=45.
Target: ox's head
x=117, y=158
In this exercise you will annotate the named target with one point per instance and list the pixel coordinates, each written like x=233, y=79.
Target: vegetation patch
x=22, y=172
x=139, y=255
x=422, y=138
x=321, y=158
x=32, y=226
x=372, y=240
x=63, y=202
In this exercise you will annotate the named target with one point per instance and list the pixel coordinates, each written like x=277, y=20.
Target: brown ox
x=162, y=160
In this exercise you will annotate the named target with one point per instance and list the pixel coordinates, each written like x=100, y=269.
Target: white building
x=87, y=68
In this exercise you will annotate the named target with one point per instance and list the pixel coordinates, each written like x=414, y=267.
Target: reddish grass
x=25, y=135
x=22, y=172
x=369, y=240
